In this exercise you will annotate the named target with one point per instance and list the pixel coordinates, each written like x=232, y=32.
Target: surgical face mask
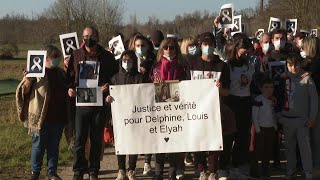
x=279, y=44
x=300, y=43
x=90, y=42
x=55, y=62
x=192, y=50
x=140, y=51
x=169, y=58
x=207, y=50
x=303, y=54
x=265, y=47
x=125, y=66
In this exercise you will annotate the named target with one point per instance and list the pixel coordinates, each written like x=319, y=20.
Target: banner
x=166, y=117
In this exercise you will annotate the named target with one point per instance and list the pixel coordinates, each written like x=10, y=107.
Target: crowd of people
x=258, y=110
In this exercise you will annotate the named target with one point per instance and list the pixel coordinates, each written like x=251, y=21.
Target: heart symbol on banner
x=166, y=139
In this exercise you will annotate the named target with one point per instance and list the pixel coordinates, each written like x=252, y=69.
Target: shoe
x=222, y=175
x=93, y=176
x=157, y=177
x=147, y=169
x=78, y=176
x=308, y=176
x=34, y=176
x=203, y=176
x=212, y=176
x=180, y=174
x=188, y=161
x=53, y=176
x=121, y=175
x=131, y=175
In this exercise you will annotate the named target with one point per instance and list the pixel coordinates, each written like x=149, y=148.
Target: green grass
x=15, y=143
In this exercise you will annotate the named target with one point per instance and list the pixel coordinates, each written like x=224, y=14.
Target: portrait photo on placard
x=89, y=97
x=36, y=63
x=89, y=73
x=117, y=47
x=167, y=92
x=226, y=15
x=274, y=23
x=69, y=43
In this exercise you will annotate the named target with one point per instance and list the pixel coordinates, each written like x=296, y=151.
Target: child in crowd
x=298, y=115
x=265, y=126
x=128, y=74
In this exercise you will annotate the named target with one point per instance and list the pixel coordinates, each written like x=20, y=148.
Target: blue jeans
x=48, y=139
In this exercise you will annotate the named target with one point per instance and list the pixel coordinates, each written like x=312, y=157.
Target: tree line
x=64, y=16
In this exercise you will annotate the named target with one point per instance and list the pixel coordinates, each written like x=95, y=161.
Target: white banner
x=167, y=117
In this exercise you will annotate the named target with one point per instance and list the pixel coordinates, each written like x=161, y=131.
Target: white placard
x=274, y=23
x=117, y=45
x=36, y=63
x=89, y=73
x=259, y=33
x=226, y=15
x=237, y=25
x=291, y=25
x=314, y=32
x=198, y=75
x=89, y=97
x=69, y=42
x=143, y=124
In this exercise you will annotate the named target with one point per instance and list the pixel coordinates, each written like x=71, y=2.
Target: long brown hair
x=311, y=46
x=168, y=41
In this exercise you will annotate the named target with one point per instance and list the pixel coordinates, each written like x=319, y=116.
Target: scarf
x=167, y=69
x=32, y=107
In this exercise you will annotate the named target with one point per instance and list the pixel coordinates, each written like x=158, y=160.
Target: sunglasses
x=170, y=47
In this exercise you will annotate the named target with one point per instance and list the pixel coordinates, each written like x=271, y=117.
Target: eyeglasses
x=170, y=47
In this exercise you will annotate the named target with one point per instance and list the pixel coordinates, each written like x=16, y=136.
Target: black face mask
x=90, y=42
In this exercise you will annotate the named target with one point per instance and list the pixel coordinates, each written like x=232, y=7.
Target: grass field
x=15, y=143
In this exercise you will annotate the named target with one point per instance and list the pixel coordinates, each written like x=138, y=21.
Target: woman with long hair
x=169, y=66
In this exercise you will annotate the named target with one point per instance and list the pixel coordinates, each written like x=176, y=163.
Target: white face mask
x=300, y=43
x=303, y=54
x=279, y=44
x=169, y=58
x=125, y=66
x=265, y=47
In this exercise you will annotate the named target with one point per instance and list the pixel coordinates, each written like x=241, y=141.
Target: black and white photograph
x=69, y=42
x=291, y=25
x=36, y=63
x=276, y=70
x=167, y=92
x=117, y=46
x=237, y=25
x=274, y=23
x=226, y=15
x=89, y=97
x=89, y=73
x=314, y=32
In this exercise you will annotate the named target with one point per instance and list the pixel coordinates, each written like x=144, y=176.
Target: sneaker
x=188, y=161
x=93, y=176
x=157, y=177
x=121, y=175
x=34, y=176
x=308, y=176
x=203, y=176
x=53, y=176
x=147, y=169
x=222, y=175
x=78, y=176
x=212, y=176
x=131, y=175
x=180, y=174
